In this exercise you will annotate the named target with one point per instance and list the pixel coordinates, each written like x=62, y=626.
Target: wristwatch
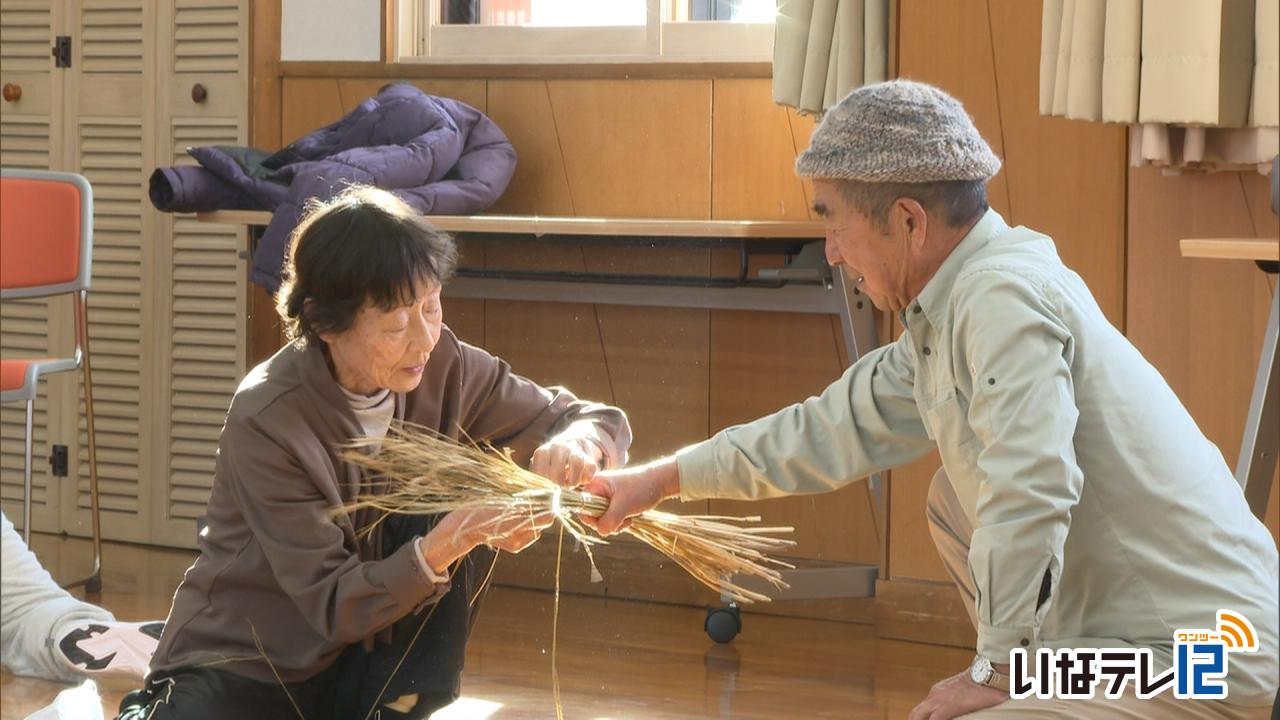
x=981, y=672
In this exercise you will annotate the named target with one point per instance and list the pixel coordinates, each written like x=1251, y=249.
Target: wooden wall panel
x=522, y=108
x=649, y=361
x=465, y=317
x=657, y=357
x=758, y=368
x=1201, y=322
x=307, y=104
x=551, y=343
x=636, y=149
x=265, y=116
x=590, y=148
x=600, y=148
x=754, y=147
x=1077, y=197
x=658, y=370
x=264, y=105
x=949, y=45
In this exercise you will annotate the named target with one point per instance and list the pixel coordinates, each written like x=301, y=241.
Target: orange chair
x=46, y=248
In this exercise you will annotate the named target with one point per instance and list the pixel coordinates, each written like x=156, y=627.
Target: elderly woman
x=288, y=612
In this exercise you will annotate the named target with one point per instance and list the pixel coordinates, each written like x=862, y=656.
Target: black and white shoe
x=111, y=648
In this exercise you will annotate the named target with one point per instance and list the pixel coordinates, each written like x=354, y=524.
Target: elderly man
x=1078, y=505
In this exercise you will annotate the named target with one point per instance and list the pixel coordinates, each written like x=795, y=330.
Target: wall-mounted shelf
x=1232, y=248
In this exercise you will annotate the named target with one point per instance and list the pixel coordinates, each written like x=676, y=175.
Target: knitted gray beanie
x=898, y=131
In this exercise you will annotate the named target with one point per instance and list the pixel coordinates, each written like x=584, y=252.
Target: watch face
x=980, y=670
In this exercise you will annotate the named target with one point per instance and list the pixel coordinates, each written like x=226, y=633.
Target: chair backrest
x=46, y=233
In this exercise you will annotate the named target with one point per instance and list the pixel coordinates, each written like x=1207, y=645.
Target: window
x=746, y=11
x=620, y=31
x=543, y=13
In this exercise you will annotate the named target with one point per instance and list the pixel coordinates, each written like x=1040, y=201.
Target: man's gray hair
x=955, y=202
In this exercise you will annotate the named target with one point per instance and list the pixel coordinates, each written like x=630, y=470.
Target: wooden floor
x=617, y=659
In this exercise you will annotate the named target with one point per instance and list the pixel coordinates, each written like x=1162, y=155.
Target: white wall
x=331, y=30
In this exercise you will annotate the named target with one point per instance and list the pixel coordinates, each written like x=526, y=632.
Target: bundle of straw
x=422, y=473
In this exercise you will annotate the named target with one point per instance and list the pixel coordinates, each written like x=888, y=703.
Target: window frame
x=420, y=39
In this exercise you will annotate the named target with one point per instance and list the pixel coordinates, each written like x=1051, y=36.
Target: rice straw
x=417, y=471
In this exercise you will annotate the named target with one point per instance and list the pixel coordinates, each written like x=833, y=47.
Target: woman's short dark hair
x=363, y=246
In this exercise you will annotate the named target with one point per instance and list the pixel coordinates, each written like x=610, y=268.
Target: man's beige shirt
x=1068, y=451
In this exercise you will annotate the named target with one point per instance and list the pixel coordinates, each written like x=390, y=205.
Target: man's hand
x=631, y=492
x=568, y=459
x=956, y=696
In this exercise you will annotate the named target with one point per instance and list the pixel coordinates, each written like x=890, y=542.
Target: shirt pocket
x=947, y=421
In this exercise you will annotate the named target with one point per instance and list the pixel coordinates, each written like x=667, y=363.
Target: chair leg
x=93, y=583
x=26, y=477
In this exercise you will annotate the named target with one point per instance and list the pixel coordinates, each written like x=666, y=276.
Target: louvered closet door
x=111, y=101
x=29, y=128
x=201, y=286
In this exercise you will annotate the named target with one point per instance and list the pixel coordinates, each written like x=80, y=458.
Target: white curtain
x=822, y=49
x=1197, y=79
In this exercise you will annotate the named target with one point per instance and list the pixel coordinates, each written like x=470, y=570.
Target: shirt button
x=916, y=310
x=927, y=351
x=1025, y=642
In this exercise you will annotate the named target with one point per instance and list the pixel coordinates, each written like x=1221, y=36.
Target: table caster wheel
x=723, y=623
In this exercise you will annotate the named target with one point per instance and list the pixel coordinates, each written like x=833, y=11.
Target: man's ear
x=911, y=221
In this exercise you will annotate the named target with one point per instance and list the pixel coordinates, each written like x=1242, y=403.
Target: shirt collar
x=935, y=298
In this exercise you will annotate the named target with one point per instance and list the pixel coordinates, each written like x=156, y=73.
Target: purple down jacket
x=439, y=155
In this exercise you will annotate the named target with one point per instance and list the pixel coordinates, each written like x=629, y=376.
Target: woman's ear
x=327, y=337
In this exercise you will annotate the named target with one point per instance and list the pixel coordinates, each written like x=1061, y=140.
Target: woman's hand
x=569, y=459
x=461, y=531
x=510, y=530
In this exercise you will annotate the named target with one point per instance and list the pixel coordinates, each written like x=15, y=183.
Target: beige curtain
x=1197, y=79
x=822, y=49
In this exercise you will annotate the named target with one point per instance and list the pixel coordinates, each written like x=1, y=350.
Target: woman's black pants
x=428, y=651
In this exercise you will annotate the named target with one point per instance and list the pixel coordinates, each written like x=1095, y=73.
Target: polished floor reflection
x=618, y=660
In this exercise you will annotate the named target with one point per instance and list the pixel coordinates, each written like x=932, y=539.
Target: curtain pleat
x=1197, y=79
x=823, y=49
x=1121, y=60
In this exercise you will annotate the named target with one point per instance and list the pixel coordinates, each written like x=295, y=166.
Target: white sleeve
x=35, y=612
